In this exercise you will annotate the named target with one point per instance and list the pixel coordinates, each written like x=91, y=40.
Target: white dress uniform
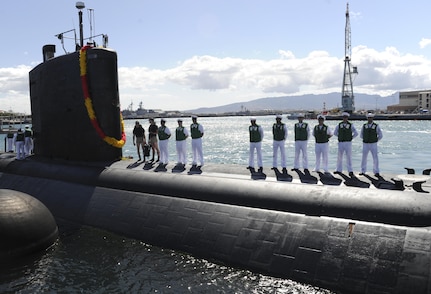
x=368, y=130
x=301, y=144
x=164, y=134
x=255, y=145
x=19, y=144
x=345, y=145
x=197, y=131
x=322, y=149
x=181, y=145
x=280, y=133
x=28, y=141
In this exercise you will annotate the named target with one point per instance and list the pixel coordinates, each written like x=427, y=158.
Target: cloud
x=389, y=71
x=11, y=79
x=14, y=89
x=206, y=81
x=424, y=43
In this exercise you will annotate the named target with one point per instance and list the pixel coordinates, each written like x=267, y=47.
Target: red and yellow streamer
x=89, y=104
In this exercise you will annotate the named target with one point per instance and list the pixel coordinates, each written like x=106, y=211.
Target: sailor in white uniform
x=181, y=134
x=164, y=134
x=322, y=133
x=302, y=134
x=256, y=137
x=28, y=141
x=370, y=134
x=197, y=132
x=19, y=144
x=346, y=132
x=279, y=132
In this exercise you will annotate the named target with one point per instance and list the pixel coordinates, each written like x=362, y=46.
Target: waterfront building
x=412, y=102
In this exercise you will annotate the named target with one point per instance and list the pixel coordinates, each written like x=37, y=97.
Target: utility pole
x=347, y=97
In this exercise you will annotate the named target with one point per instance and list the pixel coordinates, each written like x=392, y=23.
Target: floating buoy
x=26, y=225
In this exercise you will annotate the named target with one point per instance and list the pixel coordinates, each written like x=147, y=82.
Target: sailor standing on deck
x=164, y=135
x=152, y=138
x=302, y=133
x=139, y=134
x=279, y=132
x=256, y=137
x=197, y=132
x=19, y=144
x=181, y=134
x=370, y=134
x=321, y=133
x=9, y=137
x=28, y=141
x=346, y=132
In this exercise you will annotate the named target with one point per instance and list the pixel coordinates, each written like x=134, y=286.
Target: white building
x=412, y=102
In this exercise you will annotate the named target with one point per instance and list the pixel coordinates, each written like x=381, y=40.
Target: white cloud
x=424, y=43
x=205, y=81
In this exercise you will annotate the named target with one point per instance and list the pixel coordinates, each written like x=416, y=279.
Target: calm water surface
x=88, y=260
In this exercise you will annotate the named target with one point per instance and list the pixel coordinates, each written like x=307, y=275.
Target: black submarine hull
x=347, y=239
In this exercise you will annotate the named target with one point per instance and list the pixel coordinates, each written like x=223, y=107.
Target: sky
x=179, y=55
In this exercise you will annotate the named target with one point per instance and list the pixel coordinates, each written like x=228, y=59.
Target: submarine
x=346, y=235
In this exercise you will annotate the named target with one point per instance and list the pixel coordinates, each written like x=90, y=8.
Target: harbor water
x=404, y=143
x=89, y=260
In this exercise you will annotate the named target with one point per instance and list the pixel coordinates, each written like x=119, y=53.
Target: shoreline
x=292, y=116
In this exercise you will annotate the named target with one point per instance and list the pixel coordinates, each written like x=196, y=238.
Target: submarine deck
x=369, y=180
x=419, y=180
x=234, y=171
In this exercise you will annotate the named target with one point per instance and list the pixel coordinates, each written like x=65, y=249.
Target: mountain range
x=303, y=102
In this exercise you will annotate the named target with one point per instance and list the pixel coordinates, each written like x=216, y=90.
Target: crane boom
x=347, y=97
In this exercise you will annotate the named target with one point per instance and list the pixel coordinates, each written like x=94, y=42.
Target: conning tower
x=75, y=104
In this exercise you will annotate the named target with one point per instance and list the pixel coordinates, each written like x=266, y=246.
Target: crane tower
x=347, y=98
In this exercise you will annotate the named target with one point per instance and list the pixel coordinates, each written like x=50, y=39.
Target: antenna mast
x=347, y=98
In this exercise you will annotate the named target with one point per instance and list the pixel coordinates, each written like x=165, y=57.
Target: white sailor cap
x=162, y=120
x=345, y=114
x=252, y=118
x=301, y=115
x=370, y=114
x=278, y=116
x=320, y=117
x=180, y=119
x=194, y=116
